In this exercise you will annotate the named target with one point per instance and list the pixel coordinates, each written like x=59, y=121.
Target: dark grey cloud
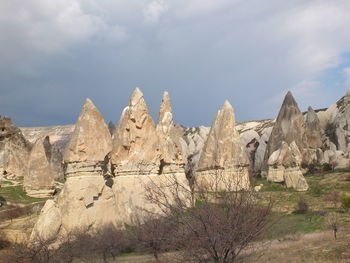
x=201, y=51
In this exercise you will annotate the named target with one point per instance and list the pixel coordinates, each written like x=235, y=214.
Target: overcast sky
x=55, y=53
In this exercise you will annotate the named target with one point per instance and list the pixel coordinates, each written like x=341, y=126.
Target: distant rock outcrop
x=222, y=155
x=136, y=146
x=14, y=150
x=285, y=149
x=39, y=181
x=59, y=135
x=89, y=144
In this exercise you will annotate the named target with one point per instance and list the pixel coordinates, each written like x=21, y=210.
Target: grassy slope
x=15, y=194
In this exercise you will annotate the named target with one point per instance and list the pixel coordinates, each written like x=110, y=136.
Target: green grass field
x=15, y=194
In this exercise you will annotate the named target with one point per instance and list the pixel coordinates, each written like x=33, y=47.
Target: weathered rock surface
x=89, y=144
x=313, y=130
x=14, y=150
x=169, y=136
x=222, y=153
x=136, y=146
x=85, y=203
x=285, y=148
x=59, y=135
x=254, y=136
x=39, y=181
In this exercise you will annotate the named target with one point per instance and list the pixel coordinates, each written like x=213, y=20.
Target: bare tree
x=154, y=234
x=221, y=225
x=333, y=221
x=334, y=198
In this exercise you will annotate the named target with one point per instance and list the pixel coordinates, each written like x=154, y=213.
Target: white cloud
x=154, y=10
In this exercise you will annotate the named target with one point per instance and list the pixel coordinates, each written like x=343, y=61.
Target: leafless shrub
x=154, y=234
x=105, y=243
x=333, y=222
x=221, y=224
x=334, y=198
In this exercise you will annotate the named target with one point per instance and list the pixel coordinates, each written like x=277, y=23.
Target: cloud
x=154, y=10
x=201, y=51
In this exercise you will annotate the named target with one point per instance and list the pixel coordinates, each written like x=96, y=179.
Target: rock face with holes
x=39, y=180
x=14, y=150
x=136, y=146
x=90, y=142
x=222, y=157
x=285, y=148
x=169, y=136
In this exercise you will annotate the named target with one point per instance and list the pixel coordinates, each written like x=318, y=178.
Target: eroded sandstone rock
x=39, y=180
x=90, y=143
x=222, y=154
x=313, y=129
x=169, y=136
x=136, y=146
x=285, y=150
x=14, y=150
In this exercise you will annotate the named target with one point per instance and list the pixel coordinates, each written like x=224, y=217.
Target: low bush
x=345, y=202
x=302, y=207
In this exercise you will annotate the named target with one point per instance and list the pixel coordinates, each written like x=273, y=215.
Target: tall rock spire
x=91, y=140
x=39, y=181
x=223, y=151
x=136, y=146
x=313, y=129
x=285, y=149
x=169, y=138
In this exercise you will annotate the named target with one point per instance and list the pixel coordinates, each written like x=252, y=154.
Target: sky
x=55, y=54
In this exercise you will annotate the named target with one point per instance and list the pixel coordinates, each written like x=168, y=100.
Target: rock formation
x=254, y=136
x=313, y=129
x=222, y=157
x=95, y=195
x=87, y=200
x=285, y=148
x=90, y=143
x=59, y=135
x=136, y=146
x=169, y=136
x=14, y=150
x=39, y=181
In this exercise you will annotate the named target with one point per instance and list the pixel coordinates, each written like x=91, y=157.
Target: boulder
x=222, y=155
